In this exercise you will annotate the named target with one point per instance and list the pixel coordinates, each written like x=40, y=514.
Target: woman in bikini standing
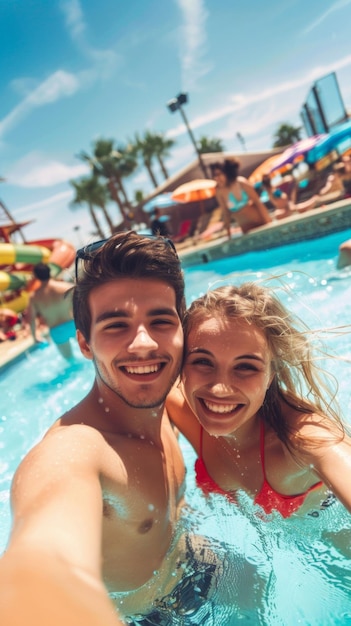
x=256, y=407
x=238, y=198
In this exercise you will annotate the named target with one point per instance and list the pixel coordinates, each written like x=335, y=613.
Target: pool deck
x=309, y=225
x=10, y=351
x=315, y=223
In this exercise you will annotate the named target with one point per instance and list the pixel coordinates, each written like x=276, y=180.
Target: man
x=102, y=493
x=51, y=303
x=158, y=225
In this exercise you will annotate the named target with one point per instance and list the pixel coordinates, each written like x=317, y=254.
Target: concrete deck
x=10, y=351
x=309, y=225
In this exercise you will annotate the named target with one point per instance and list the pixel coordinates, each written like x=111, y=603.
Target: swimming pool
x=284, y=571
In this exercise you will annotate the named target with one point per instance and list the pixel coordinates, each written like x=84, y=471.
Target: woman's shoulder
x=309, y=431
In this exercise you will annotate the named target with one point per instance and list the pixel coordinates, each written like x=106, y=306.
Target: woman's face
x=220, y=178
x=226, y=374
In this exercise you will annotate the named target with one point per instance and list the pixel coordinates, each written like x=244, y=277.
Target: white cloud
x=59, y=85
x=74, y=17
x=54, y=219
x=193, y=42
x=340, y=4
x=35, y=170
x=104, y=60
x=27, y=209
x=239, y=102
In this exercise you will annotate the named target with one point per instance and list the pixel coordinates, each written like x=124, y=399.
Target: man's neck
x=110, y=413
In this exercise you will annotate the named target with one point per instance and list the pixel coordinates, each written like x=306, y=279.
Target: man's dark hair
x=126, y=255
x=41, y=271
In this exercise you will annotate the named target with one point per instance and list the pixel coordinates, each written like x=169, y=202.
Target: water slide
x=16, y=267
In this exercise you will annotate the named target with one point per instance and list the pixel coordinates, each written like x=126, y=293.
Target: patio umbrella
x=195, y=191
x=263, y=168
x=337, y=139
x=162, y=201
x=296, y=152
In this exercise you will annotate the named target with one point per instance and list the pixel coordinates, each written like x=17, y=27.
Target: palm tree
x=138, y=196
x=162, y=148
x=205, y=145
x=147, y=148
x=89, y=191
x=113, y=165
x=99, y=197
x=286, y=134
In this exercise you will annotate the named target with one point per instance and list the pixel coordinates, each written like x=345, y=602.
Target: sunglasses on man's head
x=86, y=252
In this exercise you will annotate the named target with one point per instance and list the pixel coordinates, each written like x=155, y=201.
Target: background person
x=102, y=493
x=10, y=324
x=53, y=305
x=280, y=200
x=158, y=226
x=238, y=198
x=277, y=198
x=244, y=408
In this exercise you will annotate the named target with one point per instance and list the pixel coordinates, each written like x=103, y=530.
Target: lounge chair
x=184, y=231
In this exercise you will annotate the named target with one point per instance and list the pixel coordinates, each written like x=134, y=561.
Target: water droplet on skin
x=100, y=400
x=151, y=507
x=142, y=436
x=107, y=409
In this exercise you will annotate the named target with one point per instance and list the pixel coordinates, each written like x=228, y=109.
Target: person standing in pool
x=237, y=198
x=102, y=493
x=255, y=408
x=158, y=226
x=53, y=304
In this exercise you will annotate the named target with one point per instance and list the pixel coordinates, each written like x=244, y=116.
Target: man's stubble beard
x=151, y=404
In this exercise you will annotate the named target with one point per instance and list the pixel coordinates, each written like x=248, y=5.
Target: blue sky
x=76, y=70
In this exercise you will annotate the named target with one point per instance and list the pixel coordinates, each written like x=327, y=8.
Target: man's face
x=136, y=339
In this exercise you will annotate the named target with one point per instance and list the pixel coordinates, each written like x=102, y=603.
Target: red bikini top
x=267, y=498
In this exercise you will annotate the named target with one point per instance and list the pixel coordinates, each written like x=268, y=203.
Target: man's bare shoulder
x=60, y=286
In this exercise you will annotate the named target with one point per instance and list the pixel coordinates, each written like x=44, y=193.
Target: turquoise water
x=281, y=572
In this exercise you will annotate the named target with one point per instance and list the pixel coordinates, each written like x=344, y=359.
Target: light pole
x=77, y=229
x=176, y=105
x=242, y=140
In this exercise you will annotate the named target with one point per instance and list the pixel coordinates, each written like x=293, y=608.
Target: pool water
x=280, y=572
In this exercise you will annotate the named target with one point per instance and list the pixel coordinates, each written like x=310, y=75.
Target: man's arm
x=32, y=319
x=57, y=501
x=42, y=591
x=51, y=572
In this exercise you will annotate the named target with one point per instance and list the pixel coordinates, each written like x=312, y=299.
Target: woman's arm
x=255, y=199
x=323, y=447
x=182, y=416
x=223, y=203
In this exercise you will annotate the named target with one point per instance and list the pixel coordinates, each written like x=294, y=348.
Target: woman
x=283, y=206
x=238, y=198
x=256, y=408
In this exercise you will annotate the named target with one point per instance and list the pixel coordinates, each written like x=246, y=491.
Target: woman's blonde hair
x=298, y=381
